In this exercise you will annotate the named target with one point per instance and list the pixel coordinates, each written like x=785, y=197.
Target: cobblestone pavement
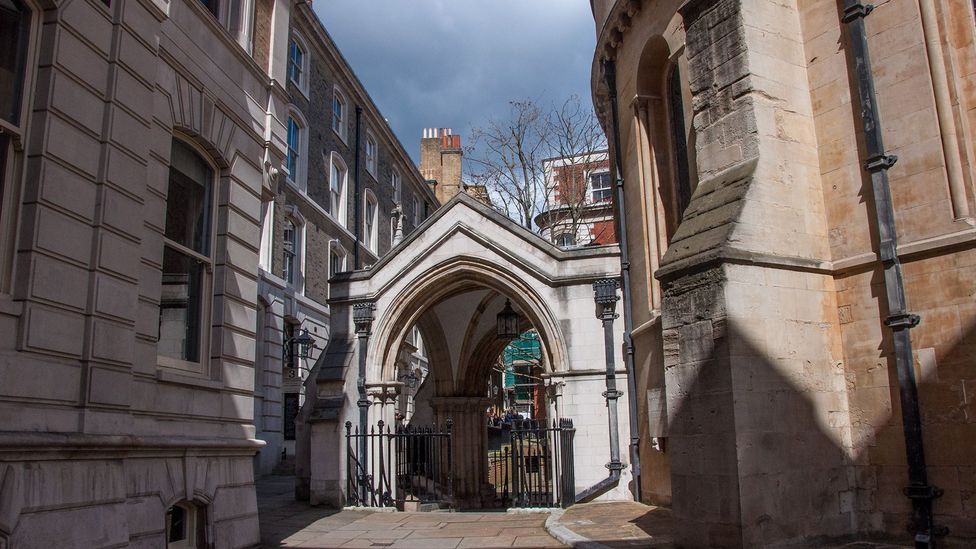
x=287, y=523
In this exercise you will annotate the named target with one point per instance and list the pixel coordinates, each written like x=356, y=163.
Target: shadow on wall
x=763, y=447
x=753, y=460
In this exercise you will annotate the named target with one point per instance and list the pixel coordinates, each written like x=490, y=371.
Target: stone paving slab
x=287, y=523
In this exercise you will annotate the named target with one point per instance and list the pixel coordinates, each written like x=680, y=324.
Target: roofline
x=331, y=48
x=494, y=215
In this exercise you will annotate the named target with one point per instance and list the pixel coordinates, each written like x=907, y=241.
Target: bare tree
x=508, y=161
x=510, y=157
x=572, y=133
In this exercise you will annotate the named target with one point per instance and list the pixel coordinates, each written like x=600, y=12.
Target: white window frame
x=372, y=160
x=340, y=123
x=295, y=217
x=267, y=235
x=371, y=226
x=300, y=178
x=240, y=26
x=336, y=249
x=11, y=180
x=192, y=514
x=589, y=186
x=303, y=82
x=338, y=211
x=207, y=293
x=397, y=183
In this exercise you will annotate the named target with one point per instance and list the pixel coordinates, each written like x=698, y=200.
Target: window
x=337, y=190
x=680, y=141
x=185, y=527
x=297, y=67
x=395, y=182
x=372, y=153
x=187, y=261
x=295, y=162
x=600, y=188
x=288, y=246
x=565, y=240
x=337, y=261
x=369, y=222
x=339, y=114
x=237, y=16
x=418, y=210
x=15, y=26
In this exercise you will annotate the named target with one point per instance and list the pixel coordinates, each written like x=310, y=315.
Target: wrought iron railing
x=536, y=469
x=387, y=467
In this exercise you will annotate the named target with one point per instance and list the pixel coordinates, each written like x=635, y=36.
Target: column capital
x=363, y=315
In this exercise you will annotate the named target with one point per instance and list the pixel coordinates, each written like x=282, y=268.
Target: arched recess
x=666, y=132
x=451, y=277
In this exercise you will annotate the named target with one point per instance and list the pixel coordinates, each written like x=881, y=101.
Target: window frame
x=12, y=168
x=340, y=123
x=303, y=83
x=299, y=179
x=299, y=226
x=209, y=265
x=396, y=181
x=336, y=249
x=372, y=160
x=592, y=189
x=341, y=215
x=371, y=226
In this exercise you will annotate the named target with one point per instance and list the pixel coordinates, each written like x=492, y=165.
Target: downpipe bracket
x=857, y=11
x=880, y=162
x=900, y=322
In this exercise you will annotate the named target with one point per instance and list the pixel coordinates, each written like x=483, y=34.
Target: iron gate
x=536, y=469
x=400, y=464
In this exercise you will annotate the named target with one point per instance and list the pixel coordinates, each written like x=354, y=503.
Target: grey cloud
x=457, y=63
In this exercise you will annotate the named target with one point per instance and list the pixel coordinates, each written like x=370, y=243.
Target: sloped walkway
x=287, y=523
x=618, y=525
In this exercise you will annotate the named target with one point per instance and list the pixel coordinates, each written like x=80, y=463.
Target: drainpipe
x=355, y=197
x=610, y=74
x=605, y=296
x=899, y=320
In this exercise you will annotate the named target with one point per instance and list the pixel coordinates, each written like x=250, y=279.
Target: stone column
x=470, y=462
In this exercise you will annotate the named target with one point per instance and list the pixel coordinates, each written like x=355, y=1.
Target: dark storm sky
x=456, y=63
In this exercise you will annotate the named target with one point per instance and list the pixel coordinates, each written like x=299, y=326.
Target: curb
x=568, y=537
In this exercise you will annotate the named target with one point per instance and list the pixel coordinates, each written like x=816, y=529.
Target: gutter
x=900, y=321
x=610, y=74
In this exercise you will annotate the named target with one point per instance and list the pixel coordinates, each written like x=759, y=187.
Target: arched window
x=339, y=113
x=298, y=63
x=184, y=316
x=293, y=248
x=370, y=214
x=395, y=183
x=186, y=526
x=372, y=153
x=297, y=146
x=15, y=30
x=289, y=244
x=338, y=175
x=679, y=141
x=566, y=240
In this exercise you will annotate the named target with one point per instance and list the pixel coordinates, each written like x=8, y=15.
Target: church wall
x=809, y=202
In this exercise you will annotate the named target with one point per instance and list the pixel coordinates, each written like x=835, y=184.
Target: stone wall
x=772, y=307
x=100, y=436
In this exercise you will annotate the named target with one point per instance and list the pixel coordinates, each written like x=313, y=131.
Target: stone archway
x=449, y=279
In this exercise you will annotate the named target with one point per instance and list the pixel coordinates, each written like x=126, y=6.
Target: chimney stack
x=440, y=161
